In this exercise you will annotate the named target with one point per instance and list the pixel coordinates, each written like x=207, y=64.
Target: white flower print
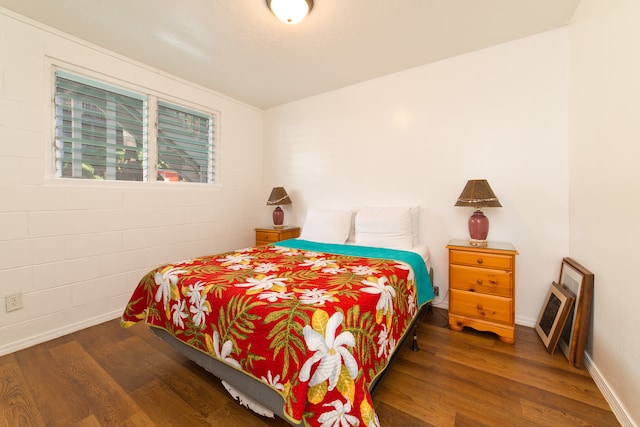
x=275, y=296
x=330, y=351
x=387, y=293
x=363, y=270
x=316, y=296
x=334, y=270
x=164, y=281
x=273, y=381
x=200, y=309
x=266, y=267
x=223, y=354
x=264, y=283
x=194, y=291
x=339, y=416
x=179, y=313
x=386, y=343
x=235, y=258
x=383, y=342
x=238, y=267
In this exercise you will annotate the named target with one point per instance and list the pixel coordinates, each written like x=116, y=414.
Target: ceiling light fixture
x=290, y=11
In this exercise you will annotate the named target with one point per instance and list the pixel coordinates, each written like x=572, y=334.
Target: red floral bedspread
x=317, y=327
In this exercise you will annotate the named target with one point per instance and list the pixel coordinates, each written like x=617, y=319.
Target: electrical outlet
x=13, y=302
x=436, y=291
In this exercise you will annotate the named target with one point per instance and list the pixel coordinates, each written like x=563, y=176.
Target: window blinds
x=185, y=143
x=99, y=130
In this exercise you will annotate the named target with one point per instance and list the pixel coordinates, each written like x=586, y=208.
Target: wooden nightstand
x=482, y=290
x=268, y=235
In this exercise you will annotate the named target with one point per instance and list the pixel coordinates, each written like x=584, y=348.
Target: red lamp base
x=278, y=217
x=478, y=228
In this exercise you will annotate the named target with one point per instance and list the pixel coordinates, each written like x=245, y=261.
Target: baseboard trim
x=609, y=395
x=57, y=333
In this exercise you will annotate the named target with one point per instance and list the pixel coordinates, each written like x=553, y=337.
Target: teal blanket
x=423, y=280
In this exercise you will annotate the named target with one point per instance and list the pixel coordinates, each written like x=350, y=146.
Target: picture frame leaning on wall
x=573, y=339
x=553, y=315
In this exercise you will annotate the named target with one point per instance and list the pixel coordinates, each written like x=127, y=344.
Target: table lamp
x=278, y=197
x=478, y=194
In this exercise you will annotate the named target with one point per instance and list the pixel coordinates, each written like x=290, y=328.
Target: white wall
x=605, y=183
x=77, y=249
x=417, y=136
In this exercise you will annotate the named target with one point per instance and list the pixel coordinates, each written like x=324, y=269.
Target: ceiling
x=239, y=49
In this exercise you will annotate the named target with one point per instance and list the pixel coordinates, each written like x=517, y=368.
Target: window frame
x=152, y=98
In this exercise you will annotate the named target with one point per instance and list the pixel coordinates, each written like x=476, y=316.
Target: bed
x=303, y=329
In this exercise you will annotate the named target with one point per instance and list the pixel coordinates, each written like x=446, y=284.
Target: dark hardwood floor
x=108, y=376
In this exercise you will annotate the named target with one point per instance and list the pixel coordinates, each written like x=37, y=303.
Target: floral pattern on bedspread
x=316, y=327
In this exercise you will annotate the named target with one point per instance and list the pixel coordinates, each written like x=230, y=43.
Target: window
x=185, y=144
x=102, y=132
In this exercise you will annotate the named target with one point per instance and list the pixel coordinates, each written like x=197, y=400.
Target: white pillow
x=389, y=227
x=415, y=224
x=327, y=226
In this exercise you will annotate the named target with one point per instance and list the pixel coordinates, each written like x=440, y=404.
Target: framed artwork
x=573, y=338
x=553, y=315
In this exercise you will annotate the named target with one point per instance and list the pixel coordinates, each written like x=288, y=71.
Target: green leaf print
x=287, y=320
x=235, y=321
x=362, y=325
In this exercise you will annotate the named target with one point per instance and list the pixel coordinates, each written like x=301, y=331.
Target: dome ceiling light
x=290, y=11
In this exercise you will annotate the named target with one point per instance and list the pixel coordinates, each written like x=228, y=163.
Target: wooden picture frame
x=573, y=339
x=553, y=315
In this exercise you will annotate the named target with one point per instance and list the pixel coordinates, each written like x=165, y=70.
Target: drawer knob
x=479, y=281
x=480, y=261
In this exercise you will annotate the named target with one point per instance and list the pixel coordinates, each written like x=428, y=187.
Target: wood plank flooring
x=109, y=376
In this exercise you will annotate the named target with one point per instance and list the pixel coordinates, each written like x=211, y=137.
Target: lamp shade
x=290, y=11
x=278, y=196
x=478, y=194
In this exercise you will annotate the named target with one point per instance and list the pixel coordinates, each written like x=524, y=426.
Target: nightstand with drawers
x=482, y=291
x=268, y=235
